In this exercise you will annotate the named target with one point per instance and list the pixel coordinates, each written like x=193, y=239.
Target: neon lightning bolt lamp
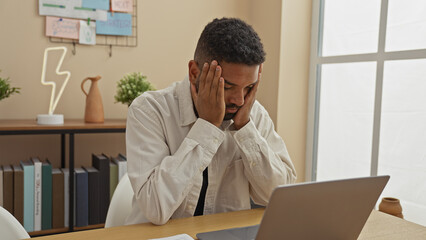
x=53, y=119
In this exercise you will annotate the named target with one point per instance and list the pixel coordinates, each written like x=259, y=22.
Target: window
x=367, y=102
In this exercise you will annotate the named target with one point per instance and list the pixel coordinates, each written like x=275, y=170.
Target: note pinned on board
x=62, y=27
x=70, y=9
x=87, y=33
x=97, y=4
x=122, y=5
x=119, y=24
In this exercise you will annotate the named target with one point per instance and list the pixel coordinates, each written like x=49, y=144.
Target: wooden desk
x=378, y=226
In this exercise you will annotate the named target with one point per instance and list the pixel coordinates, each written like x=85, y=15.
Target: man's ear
x=194, y=71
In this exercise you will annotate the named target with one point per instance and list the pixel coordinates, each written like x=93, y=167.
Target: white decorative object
x=53, y=119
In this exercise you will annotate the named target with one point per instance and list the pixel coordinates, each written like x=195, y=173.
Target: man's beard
x=229, y=116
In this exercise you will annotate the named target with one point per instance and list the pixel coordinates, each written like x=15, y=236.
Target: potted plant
x=131, y=86
x=5, y=89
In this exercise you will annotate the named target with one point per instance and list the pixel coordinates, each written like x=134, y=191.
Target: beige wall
x=285, y=28
x=167, y=34
x=294, y=75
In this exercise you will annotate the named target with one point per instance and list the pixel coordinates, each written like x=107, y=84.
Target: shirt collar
x=186, y=106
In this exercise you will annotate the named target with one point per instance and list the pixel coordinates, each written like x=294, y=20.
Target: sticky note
x=118, y=24
x=62, y=27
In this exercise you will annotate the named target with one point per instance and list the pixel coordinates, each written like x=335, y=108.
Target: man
x=205, y=145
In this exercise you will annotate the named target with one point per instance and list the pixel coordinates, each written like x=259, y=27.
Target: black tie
x=199, y=210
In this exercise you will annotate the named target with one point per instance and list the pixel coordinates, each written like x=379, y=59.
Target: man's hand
x=209, y=100
x=243, y=115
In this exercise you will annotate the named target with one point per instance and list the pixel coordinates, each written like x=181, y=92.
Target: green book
x=113, y=179
x=28, y=168
x=46, y=195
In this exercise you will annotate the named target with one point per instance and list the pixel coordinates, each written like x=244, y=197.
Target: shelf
x=64, y=230
x=102, y=225
x=27, y=126
x=48, y=232
x=70, y=128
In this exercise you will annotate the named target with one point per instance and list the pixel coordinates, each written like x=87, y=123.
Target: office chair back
x=10, y=228
x=120, y=206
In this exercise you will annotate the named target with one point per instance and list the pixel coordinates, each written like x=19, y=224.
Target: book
x=101, y=162
x=66, y=172
x=113, y=178
x=1, y=186
x=94, y=185
x=18, y=193
x=122, y=156
x=122, y=165
x=46, y=195
x=8, y=188
x=37, y=193
x=81, y=198
x=57, y=198
x=28, y=169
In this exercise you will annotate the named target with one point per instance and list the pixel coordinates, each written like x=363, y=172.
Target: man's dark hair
x=230, y=40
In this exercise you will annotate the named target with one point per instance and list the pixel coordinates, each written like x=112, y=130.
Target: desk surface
x=378, y=226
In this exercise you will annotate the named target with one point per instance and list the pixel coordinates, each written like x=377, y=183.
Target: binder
x=28, y=169
x=81, y=198
x=18, y=193
x=8, y=188
x=94, y=186
x=58, y=198
x=37, y=193
x=46, y=195
x=101, y=162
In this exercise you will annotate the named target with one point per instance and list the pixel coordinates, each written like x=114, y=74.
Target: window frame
x=314, y=90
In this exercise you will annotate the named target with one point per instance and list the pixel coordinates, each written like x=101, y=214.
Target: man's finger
x=210, y=75
x=203, y=75
x=215, y=81
x=251, y=95
x=259, y=77
x=221, y=90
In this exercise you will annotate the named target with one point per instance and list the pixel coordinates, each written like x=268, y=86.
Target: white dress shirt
x=168, y=148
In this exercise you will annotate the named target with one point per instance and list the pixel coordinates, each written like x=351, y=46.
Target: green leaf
x=131, y=86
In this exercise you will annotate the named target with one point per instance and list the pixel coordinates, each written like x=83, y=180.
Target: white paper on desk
x=175, y=237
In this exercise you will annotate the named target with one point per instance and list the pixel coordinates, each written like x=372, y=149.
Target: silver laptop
x=316, y=210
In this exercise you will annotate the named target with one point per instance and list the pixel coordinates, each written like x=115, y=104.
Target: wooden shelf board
x=69, y=124
x=64, y=230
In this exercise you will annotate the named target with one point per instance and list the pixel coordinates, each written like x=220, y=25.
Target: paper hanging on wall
x=122, y=5
x=87, y=33
x=119, y=24
x=70, y=9
x=62, y=27
x=98, y=4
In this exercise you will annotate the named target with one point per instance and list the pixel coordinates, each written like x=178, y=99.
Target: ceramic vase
x=391, y=206
x=94, y=112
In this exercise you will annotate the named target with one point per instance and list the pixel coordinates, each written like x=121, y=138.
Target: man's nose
x=238, y=99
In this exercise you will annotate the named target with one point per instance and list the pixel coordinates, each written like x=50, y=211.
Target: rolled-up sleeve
x=265, y=157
